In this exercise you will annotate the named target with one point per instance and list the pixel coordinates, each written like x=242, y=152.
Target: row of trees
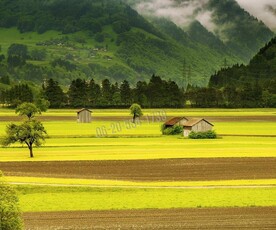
x=244, y=96
x=155, y=94
x=82, y=93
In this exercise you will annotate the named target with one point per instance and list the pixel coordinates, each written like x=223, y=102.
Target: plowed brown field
x=209, y=218
x=149, y=170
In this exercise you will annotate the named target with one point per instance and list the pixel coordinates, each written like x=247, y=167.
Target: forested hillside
x=97, y=39
x=215, y=23
x=252, y=85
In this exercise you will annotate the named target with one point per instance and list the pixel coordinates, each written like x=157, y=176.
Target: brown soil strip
x=201, y=218
x=149, y=170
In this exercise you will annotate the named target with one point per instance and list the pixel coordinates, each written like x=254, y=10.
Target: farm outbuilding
x=180, y=121
x=84, y=116
x=196, y=125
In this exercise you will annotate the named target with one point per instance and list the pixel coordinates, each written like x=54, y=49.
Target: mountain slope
x=97, y=39
x=260, y=70
x=240, y=32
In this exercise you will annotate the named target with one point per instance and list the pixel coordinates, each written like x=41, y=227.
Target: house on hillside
x=179, y=121
x=196, y=125
x=84, y=116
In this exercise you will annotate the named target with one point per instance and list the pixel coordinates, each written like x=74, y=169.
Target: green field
x=45, y=198
x=169, y=112
x=157, y=184
x=57, y=149
x=70, y=141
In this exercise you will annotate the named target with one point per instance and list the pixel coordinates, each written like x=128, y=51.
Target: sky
x=189, y=10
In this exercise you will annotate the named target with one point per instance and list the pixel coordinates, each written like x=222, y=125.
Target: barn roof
x=84, y=110
x=174, y=120
x=195, y=121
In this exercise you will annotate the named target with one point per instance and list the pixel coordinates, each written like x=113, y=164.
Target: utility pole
x=189, y=75
x=184, y=76
x=225, y=64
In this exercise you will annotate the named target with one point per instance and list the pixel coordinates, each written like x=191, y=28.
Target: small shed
x=196, y=125
x=84, y=116
x=180, y=121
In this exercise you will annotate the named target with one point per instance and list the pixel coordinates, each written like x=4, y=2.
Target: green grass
x=70, y=140
x=59, y=149
x=38, y=199
x=94, y=182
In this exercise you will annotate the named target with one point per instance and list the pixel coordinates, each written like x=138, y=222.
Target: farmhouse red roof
x=194, y=121
x=174, y=120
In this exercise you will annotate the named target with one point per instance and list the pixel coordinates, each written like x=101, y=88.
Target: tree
x=10, y=216
x=42, y=104
x=27, y=109
x=94, y=93
x=125, y=92
x=136, y=111
x=30, y=132
x=19, y=94
x=18, y=50
x=54, y=94
x=78, y=95
x=106, y=91
x=17, y=54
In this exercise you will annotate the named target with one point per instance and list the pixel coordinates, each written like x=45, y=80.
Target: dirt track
x=201, y=218
x=149, y=170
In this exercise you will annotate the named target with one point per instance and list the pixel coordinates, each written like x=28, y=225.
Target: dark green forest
x=252, y=85
x=157, y=93
x=109, y=39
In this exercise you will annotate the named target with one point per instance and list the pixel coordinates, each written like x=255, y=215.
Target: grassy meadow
x=37, y=198
x=123, y=148
x=114, y=137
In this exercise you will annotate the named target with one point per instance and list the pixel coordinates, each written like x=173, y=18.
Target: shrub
x=10, y=215
x=203, y=135
x=174, y=130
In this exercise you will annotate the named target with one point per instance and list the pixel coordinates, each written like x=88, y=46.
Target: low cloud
x=264, y=10
x=182, y=13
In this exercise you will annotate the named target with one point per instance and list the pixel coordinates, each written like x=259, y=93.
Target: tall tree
x=94, y=93
x=155, y=91
x=106, y=92
x=78, y=93
x=125, y=93
x=140, y=93
x=19, y=94
x=54, y=94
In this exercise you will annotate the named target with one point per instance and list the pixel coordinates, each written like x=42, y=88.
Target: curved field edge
x=45, y=198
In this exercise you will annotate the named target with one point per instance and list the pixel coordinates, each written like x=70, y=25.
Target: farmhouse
x=84, y=116
x=196, y=125
x=180, y=121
